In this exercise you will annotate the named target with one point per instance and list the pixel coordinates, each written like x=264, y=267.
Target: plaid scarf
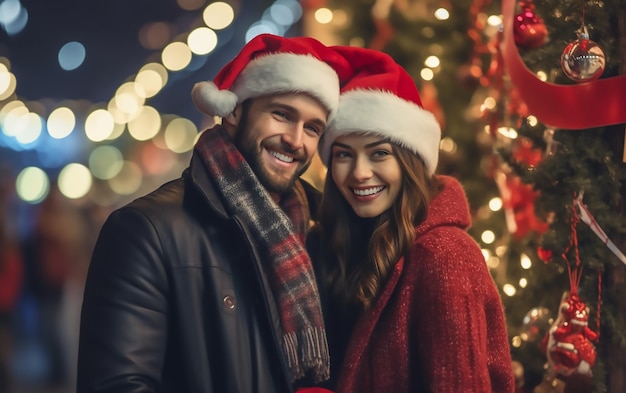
x=285, y=259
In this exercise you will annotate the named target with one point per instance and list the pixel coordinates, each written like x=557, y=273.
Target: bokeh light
x=99, y=125
x=218, y=15
x=202, y=41
x=180, y=135
x=151, y=78
x=323, y=15
x=61, y=122
x=7, y=82
x=13, y=17
x=176, y=56
x=128, y=180
x=32, y=185
x=74, y=181
x=105, y=162
x=146, y=124
x=71, y=55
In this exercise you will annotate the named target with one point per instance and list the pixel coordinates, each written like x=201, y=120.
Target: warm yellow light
x=442, y=14
x=525, y=261
x=488, y=237
x=176, y=56
x=494, y=20
x=74, y=181
x=130, y=97
x=493, y=262
x=427, y=74
x=180, y=135
x=146, y=124
x=218, y=15
x=27, y=127
x=509, y=290
x=99, y=125
x=508, y=132
x=489, y=103
x=323, y=15
x=202, y=40
x=8, y=83
x=432, y=61
x=150, y=81
x=32, y=185
x=495, y=204
x=61, y=122
x=10, y=116
x=448, y=145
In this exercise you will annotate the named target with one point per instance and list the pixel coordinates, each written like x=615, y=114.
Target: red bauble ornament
x=569, y=342
x=544, y=254
x=583, y=60
x=529, y=30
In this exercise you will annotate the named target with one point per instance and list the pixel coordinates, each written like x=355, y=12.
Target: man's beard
x=253, y=155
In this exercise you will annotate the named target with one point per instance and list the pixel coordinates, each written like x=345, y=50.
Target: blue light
x=282, y=14
x=71, y=55
x=294, y=6
x=261, y=27
x=13, y=17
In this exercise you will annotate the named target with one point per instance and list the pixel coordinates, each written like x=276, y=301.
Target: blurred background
x=95, y=110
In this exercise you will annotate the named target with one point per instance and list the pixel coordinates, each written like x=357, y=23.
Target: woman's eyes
x=377, y=154
x=380, y=153
x=341, y=154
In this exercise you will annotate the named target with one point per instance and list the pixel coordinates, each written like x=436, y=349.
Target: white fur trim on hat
x=289, y=73
x=272, y=73
x=385, y=114
x=212, y=101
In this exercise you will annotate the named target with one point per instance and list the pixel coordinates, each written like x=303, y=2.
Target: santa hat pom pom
x=212, y=101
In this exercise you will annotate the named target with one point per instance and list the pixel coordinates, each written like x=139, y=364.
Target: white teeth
x=281, y=156
x=368, y=191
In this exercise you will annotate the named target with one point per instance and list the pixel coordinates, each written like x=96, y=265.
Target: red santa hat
x=381, y=98
x=271, y=64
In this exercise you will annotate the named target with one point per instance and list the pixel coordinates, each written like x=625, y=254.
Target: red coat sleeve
x=461, y=339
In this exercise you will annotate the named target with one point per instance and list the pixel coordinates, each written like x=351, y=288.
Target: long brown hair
x=356, y=268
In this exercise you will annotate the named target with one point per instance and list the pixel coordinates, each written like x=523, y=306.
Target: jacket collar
x=199, y=179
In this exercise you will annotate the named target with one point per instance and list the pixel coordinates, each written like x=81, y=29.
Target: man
x=204, y=285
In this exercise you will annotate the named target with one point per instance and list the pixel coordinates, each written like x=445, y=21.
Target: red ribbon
x=591, y=104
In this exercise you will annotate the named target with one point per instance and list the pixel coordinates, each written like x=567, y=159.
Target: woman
x=409, y=302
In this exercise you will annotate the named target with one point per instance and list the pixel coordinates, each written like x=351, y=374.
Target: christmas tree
x=529, y=95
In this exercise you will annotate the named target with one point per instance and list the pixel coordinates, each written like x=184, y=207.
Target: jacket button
x=229, y=302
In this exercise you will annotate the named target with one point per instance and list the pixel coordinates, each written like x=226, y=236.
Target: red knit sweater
x=438, y=325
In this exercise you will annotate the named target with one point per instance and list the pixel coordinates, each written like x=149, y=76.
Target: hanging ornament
x=583, y=60
x=544, y=254
x=568, y=345
x=529, y=30
x=569, y=342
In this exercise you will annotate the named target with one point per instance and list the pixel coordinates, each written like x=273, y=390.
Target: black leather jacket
x=175, y=300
